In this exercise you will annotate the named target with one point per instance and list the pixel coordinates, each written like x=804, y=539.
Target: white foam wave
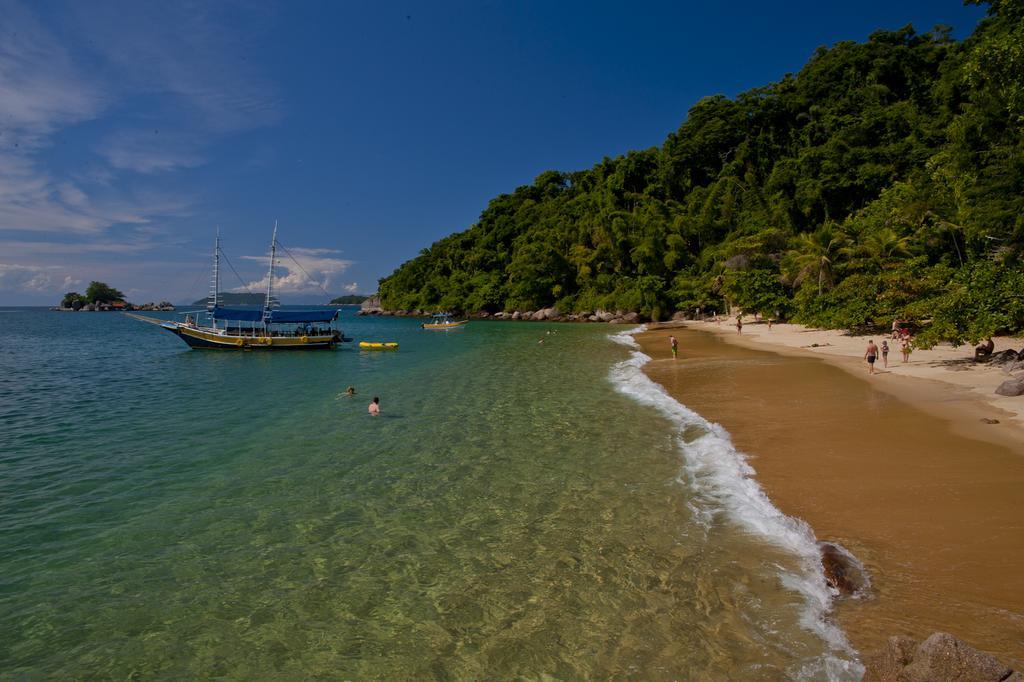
x=724, y=482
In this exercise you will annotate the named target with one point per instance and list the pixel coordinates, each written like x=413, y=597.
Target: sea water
x=527, y=505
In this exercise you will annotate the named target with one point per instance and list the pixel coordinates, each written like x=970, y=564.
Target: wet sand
x=936, y=516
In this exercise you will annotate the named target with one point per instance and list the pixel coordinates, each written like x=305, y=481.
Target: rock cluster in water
x=940, y=657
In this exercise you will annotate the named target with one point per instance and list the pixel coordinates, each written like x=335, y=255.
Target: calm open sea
x=519, y=510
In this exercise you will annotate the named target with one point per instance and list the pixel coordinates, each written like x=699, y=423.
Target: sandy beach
x=897, y=467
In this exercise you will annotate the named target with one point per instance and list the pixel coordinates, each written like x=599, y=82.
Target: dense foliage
x=885, y=179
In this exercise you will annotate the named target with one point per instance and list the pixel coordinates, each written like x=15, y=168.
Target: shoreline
x=898, y=472
x=943, y=381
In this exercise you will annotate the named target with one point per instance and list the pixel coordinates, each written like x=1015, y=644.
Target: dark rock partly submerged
x=843, y=572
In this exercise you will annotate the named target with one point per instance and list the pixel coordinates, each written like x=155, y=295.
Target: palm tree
x=883, y=245
x=815, y=254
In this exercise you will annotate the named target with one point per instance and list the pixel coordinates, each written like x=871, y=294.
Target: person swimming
x=374, y=408
x=350, y=391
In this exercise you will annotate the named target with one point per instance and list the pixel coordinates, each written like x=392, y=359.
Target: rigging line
x=228, y=261
x=308, y=276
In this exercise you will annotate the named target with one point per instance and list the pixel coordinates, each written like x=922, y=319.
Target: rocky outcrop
x=1005, y=357
x=939, y=658
x=1011, y=387
x=551, y=314
x=843, y=572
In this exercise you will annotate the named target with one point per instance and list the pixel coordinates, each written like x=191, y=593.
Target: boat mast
x=270, y=302
x=214, y=298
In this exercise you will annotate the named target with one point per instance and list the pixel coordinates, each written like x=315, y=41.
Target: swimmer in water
x=374, y=408
x=350, y=391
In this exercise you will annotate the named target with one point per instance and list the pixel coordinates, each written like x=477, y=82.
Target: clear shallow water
x=519, y=510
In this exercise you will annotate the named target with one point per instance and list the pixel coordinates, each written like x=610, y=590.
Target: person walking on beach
x=375, y=407
x=905, y=347
x=885, y=353
x=870, y=355
x=739, y=324
x=674, y=345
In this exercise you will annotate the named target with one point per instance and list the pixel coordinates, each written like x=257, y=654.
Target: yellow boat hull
x=377, y=345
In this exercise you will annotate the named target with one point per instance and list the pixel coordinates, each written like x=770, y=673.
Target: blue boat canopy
x=276, y=315
x=318, y=315
x=238, y=314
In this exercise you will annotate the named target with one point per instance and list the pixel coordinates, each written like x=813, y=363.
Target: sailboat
x=256, y=328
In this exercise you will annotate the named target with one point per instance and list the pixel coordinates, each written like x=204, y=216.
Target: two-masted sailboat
x=268, y=327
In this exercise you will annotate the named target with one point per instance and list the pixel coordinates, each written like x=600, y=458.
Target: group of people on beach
x=902, y=335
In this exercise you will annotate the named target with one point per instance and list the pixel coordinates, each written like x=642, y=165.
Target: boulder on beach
x=940, y=657
x=517, y=315
x=1011, y=387
x=631, y=318
x=604, y=316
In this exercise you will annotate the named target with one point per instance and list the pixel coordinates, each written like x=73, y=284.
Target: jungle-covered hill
x=885, y=179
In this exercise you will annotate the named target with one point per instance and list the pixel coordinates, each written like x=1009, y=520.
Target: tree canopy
x=99, y=292
x=884, y=180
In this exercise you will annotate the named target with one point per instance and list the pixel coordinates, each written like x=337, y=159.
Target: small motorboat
x=443, y=321
x=378, y=345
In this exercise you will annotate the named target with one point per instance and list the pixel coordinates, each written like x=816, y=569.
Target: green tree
x=814, y=256
x=98, y=292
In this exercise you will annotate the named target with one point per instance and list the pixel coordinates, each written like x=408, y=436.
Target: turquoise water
x=519, y=510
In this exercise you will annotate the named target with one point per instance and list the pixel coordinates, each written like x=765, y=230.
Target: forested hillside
x=885, y=179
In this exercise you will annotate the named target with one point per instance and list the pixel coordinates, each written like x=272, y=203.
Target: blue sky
x=129, y=131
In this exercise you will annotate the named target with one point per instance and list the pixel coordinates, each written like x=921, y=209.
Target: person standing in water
x=674, y=345
x=870, y=355
x=375, y=407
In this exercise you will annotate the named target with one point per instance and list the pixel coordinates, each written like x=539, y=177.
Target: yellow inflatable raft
x=378, y=345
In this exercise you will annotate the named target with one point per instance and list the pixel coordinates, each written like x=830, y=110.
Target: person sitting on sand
x=375, y=407
x=674, y=345
x=350, y=391
x=984, y=350
x=870, y=355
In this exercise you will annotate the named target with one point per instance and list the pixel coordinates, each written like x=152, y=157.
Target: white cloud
x=151, y=151
x=32, y=279
x=312, y=270
x=178, y=69
x=352, y=287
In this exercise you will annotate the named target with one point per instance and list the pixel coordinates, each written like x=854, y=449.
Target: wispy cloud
x=165, y=80
x=151, y=151
x=34, y=279
x=351, y=288
x=312, y=270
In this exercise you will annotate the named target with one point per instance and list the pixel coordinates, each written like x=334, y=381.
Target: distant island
x=100, y=296
x=349, y=299
x=229, y=298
